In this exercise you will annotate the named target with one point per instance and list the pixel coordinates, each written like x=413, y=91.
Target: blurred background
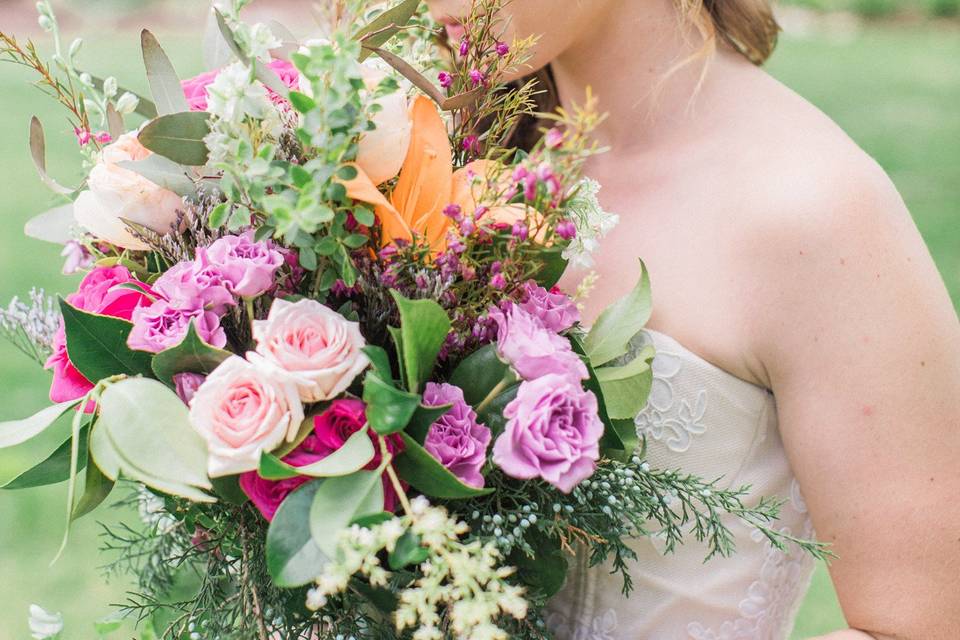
x=888, y=71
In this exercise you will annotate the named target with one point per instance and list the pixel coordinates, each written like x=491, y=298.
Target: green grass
x=895, y=92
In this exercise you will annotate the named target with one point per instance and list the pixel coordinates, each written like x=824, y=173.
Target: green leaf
x=163, y=172
x=388, y=409
x=372, y=519
x=611, y=444
x=39, y=155
x=625, y=388
x=302, y=102
x=264, y=74
x=178, y=136
x=378, y=31
x=619, y=323
x=164, y=83
x=407, y=551
x=52, y=226
x=626, y=430
x=348, y=172
x=293, y=558
x=306, y=428
x=480, y=373
x=428, y=476
x=341, y=500
x=97, y=345
x=149, y=429
x=96, y=488
x=423, y=418
x=546, y=571
x=552, y=268
x=397, y=336
x=14, y=432
x=424, y=326
x=192, y=355
x=54, y=468
x=108, y=625
x=228, y=488
x=353, y=455
x=219, y=215
x=492, y=413
x=380, y=361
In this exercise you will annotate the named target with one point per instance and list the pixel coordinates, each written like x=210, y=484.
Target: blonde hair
x=746, y=25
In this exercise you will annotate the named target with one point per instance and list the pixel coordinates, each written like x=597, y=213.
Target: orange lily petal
x=362, y=189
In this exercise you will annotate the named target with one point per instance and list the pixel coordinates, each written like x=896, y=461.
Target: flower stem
x=499, y=387
x=394, y=480
x=248, y=305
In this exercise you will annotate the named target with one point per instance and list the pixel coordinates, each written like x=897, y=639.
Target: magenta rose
x=196, y=283
x=532, y=349
x=162, y=325
x=555, y=310
x=195, y=89
x=248, y=267
x=98, y=293
x=553, y=432
x=331, y=429
x=457, y=440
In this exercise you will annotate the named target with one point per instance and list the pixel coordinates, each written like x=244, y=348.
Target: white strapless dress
x=708, y=422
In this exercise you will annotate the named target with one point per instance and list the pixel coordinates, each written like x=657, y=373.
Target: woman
x=811, y=341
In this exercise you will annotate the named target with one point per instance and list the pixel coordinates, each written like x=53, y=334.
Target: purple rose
x=249, y=267
x=186, y=385
x=196, y=283
x=161, y=326
x=457, y=440
x=553, y=432
x=532, y=349
x=556, y=311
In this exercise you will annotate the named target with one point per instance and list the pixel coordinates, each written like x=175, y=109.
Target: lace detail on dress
x=601, y=627
x=771, y=600
x=666, y=418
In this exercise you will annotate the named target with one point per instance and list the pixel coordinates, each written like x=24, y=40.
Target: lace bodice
x=705, y=421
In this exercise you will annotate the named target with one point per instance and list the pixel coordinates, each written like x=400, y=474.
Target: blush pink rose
x=195, y=89
x=242, y=411
x=311, y=345
x=98, y=293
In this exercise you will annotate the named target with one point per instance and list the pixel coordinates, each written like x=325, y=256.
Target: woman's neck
x=633, y=60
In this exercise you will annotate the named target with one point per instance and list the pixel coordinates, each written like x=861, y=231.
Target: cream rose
x=116, y=194
x=241, y=411
x=311, y=345
x=381, y=152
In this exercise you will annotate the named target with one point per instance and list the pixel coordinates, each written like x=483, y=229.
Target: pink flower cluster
x=200, y=291
x=553, y=426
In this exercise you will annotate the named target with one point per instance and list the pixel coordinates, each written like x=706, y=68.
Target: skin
x=782, y=253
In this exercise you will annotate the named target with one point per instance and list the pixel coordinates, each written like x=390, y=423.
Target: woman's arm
x=861, y=346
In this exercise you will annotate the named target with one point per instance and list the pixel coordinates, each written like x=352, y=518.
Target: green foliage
x=97, y=345
x=192, y=355
x=382, y=28
x=15, y=432
x=423, y=328
x=293, y=556
x=54, y=468
x=164, y=83
x=341, y=500
x=353, y=455
x=388, y=409
x=425, y=474
x=178, y=137
x=480, y=373
x=619, y=323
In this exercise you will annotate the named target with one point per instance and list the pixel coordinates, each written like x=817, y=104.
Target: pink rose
x=311, y=345
x=196, y=284
x=457, y=440
x=242, y=411
x=162, y=325
x=248, y=267
x=331, y=429
x=195, y=89
x=98, y=293
x=553, y=432
x=532, y=349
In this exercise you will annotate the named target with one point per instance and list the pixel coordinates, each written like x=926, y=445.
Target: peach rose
x=381, y=152
x=311, y=345
x=115, y=194
x=241, y=411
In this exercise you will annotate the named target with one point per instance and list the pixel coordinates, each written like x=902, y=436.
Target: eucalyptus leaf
x=52, y=225
x=178, y=137
x=424, y=326
x=425, y=473
x=293, y=558
x=619, y=323
x=39, y=154
x=216, y=51
x=97, y=345
x=353, y=455
x=341, y=500
x=263, y=73
x=54, y=468
x=96, y=488
x=192, y=355
x=164, y=82
x=163, y=172
x=381, y=29
x=14, y=432
x=388, y=409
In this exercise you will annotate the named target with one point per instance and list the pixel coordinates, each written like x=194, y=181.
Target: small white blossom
x=592, y=222
x=236, y=94
x=44, y=624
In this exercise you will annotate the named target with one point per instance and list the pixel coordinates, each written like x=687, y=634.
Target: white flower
x=235, y=94
x=592, y=223
x=44, y=624
x=381, y=152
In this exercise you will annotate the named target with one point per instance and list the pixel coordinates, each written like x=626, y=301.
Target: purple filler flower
x=161, y=326
x=457, y=440
x=532, y=349
x=196, y=283
x=553, y=432
x=248, y=266
x=556, y=311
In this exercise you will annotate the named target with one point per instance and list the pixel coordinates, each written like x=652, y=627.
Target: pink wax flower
x=554, y=309
x=471, y=143
x=476, y=77
x=186, y=385
x=566, y=229
x=248, y=267
x=331, y=429
x=75, y=257
x=162, y=325
x=553, y=138
x=195, y=89
x=464, y=46
x=553, y=432
x=457, y=440
x=532, y=349
x=446, y=80
x=196, y=284
x=98, y=293
x=502, y=49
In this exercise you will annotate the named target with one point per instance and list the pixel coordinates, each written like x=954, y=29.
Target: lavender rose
x=249, y=267
x=161, y=326
x=457, y=440
x=555, y=310
x=553, y=432
x=196, y=283
x=186, y=385
x=532, y=349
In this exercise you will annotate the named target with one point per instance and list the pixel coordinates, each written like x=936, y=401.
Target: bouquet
x=319, y=346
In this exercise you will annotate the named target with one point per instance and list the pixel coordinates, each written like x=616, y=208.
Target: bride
x=805, y=338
